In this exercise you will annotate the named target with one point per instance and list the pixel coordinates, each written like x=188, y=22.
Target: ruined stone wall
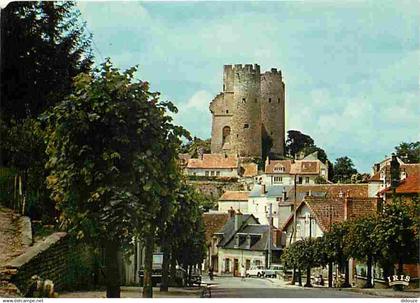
x=246, y=119
x=215, y=189
x=54, y=258
x=221, y=109
x=272, y=109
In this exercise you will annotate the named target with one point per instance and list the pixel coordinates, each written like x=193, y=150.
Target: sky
x=351, y=68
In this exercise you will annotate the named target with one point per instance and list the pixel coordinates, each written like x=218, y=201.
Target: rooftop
x=214, y=161
x=231, y=195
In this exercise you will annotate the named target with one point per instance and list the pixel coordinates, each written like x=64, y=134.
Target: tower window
x=224, y=87
x=227, y=112
x=269, y=100
x=278, y=100
x=256, y=100
x=246, y=125
x=243, y=100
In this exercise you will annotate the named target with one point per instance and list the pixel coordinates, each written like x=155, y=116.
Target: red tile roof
x=301, y=167
x=328, y=211
x=213, y=222
x=270, y=167
x=409, y=185
x=214, y=161
x=234, y=196
x=305, y=167
x=250, y=169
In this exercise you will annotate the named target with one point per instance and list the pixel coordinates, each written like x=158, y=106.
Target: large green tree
x=397, y=233
x=361, y=243
x=409, y=152
x=296, y=142
x=343, y=170
x=44, y=45
x=108, y=148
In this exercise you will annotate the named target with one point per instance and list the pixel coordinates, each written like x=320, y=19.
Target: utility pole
x=270, y=216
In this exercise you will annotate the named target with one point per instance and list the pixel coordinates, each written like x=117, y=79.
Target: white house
x=236, y=200
x=243, y=241
x=262, y=196
x=285, y=172
x=213, y=165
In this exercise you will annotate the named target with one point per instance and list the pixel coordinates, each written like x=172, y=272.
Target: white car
x=272, y=271
x=257, y=271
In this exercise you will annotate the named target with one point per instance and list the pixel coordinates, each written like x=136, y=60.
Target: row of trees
x=388, y=238
x=104, y=143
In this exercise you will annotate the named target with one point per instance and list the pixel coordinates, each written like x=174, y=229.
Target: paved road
x=229, y=287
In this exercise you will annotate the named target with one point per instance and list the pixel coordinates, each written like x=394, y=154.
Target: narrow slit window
x=269, y=100
x=246, y=125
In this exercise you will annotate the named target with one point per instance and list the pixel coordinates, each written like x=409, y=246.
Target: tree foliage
x=44, y=46
x=298, y=142
x=409, y=152
x=112, y=153
x=196, y=146
x=343, y=170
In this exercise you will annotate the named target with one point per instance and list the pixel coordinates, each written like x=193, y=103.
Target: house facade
x=234, y=200
x=213, y=165
x=287, y=172
x=243, y=241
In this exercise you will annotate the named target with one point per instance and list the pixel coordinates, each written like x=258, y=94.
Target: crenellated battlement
x=273, y=72
x=250, y=101
x=254, y=68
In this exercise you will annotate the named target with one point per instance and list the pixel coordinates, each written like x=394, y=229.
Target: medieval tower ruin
x=248, y=111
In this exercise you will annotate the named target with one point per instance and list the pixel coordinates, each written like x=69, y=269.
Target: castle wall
x=272, y=109
x=250, y=102
x=246, y=119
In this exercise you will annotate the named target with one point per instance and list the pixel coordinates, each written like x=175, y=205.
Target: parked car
x=257, y=271
x=272, y=271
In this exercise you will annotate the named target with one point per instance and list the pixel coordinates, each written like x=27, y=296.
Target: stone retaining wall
x=53, y=258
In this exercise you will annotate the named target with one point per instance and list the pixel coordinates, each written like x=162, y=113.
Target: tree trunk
x=330, y=274
x=299, y=277
x=148, y=264
x=165, y=266
x=369, y=273
x=294, y=276
x=189, y=275
x=112, y=270
x=308, y=277
x=346, y=283
x=400, y=265
x=173, y=267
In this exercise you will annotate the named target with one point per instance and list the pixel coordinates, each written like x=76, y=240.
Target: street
x=230, y=287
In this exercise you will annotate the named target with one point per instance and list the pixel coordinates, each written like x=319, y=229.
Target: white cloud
x=199, y=101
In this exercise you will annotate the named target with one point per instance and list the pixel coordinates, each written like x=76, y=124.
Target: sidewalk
x=136, y=292
x=379, y=292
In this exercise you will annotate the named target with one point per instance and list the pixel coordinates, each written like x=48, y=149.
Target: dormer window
x=279, y=169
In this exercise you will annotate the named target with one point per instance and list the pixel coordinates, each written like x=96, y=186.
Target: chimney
x=231, y=212
x=395, y=172
x=284, y=195
x=346, y=205
x=267, y=161
x=200, y=153
x=238, y=221
x=263, y=190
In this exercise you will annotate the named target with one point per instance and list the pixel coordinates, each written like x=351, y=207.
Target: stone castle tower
x=250, y=108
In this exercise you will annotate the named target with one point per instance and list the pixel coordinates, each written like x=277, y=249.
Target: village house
x=243, y=241
x=236, y=200
x=213, y=222
x=283, y=198
x=316, y=215
x=381, y=174
x=285, y=172
x=213, y=165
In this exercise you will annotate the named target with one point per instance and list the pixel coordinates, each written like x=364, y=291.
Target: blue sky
x=351, y=68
